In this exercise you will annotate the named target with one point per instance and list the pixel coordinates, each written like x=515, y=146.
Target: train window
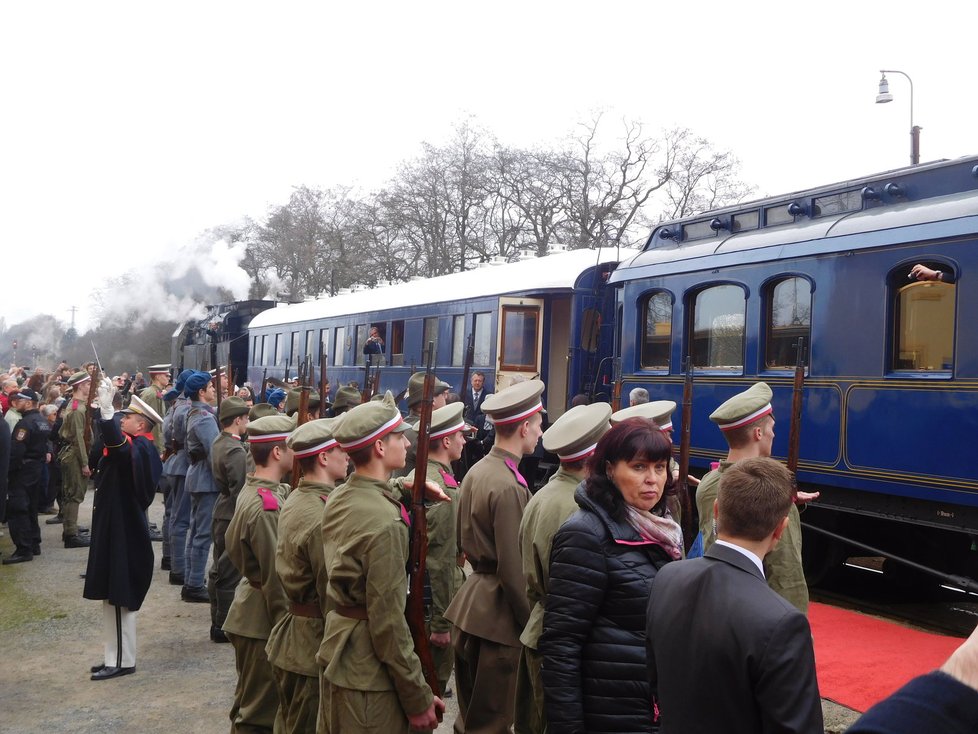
x=777, y=215
x=256, y=350
x=296, y=354
x=339, y=347
x=458, y=340
x=396, y=343
x=519, y=338
x=747, y=220
x=324, y=343
x=363, y=331
x=698, y=230
x=717, y=327
x=483, y=339
x=430, y=335
x=311, y=349
x=847, y=201
x=788, y=305
x=279, y=346
x=657, y=331
x=923, y=322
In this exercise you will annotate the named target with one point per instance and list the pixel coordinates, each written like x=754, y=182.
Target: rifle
x=616, y=390
x=797, y=395
x=89, y=419
x=260, y=397
x=366, y=393
x=375, y=386
x=685, y=500
x=467, y=364
x=302, y=416
x=322, y=381
x=414, y=611
x=400, y=396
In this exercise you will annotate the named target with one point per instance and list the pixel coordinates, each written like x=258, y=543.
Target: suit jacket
x=716, y=628
x=935, y=702
x=473, y=410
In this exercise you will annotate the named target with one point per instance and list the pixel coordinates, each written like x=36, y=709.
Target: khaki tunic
x=153, y=397
x=74, y=451
x=782, y=566
x=492, y=602
x=301, y=567
x=366, y=550
x=250, y=541
x=231, y=464
x=442, y=560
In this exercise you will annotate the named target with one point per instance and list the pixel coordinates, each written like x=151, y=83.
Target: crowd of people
x=575, y=607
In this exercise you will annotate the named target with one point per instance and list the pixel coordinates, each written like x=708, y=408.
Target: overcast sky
x=127, y=128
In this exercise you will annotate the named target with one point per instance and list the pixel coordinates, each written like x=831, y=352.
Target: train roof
x=556, y=271
x=904, y=205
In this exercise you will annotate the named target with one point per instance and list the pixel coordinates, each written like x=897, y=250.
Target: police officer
x=372, y=679
x=259, y=600
x=747, y=423
x=491, y=609
x=74, y=458
x=230, y=465
x=573, y=438
x=28, y=454
x=301, y=567
x=414, y=396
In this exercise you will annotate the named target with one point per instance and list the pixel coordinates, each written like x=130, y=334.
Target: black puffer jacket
x=593, y=641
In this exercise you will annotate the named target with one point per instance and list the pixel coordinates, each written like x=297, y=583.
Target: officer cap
x=159, y=369
x=314, y=437
x=232, y=408
x=574, y=435
x=138, y=407
x=416, y=388
x=346, y=397
x=78, y=378
x=196, y=382
x=446, y=420
x=274, y=396
x=744, y=408
x=270, y=428
x=369, y=422
x=25, y=393
x=292, y=400
x=261, y=410
x=516, y=403
x=659, y=411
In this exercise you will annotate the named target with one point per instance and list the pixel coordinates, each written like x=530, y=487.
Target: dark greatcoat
x=120, y=559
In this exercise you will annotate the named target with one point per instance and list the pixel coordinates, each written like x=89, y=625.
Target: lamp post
x=884, y=96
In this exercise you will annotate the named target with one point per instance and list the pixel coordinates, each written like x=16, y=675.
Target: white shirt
x=752, y=556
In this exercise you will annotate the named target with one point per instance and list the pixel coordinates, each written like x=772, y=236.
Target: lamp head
x=884, y=95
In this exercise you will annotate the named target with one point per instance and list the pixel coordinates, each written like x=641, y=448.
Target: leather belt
x=254, y=584
x=305, y=610
x=352, y=612
x=484, y=567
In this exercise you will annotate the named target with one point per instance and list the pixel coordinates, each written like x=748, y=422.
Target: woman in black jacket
x=602, y=565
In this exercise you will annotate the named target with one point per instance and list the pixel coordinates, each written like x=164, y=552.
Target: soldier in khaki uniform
x=152, y=395
x=372, y=679
x=573, y=437
x=231, y=463
x=747, y=423
x=447, y=442
x=259, y=601
x=491, y=609
x=414, y=395
x=292, y=401
x=74, y=458
x=347, y=397
x=301, y=567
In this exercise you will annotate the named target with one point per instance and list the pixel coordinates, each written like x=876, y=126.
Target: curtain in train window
x=483, y=339
x=657, y=331
x=324, y=343
x=339, y=346
x=923, y=323
x=295, y=353
x=458, y=341
x=718, y=328
x=279, y=347
x=788, y=305
x=430, y=335
x=519, y=338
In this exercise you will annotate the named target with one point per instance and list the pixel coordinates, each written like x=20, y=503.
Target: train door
x=558, y=356
x=519, y=340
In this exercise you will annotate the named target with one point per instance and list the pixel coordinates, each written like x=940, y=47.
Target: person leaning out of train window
x=603, y=561
x=374, y=343
x=922, y=272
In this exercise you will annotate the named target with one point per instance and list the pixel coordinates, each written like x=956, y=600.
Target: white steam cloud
x=193, y=276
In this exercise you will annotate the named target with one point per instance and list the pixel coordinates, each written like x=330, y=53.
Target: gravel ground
x=50, y=636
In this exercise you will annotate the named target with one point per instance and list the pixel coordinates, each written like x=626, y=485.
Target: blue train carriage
x=890, y=417
x=548, y=317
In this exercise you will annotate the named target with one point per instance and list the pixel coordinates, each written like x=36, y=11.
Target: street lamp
x=884, y=96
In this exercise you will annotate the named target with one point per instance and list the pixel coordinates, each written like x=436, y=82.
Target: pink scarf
x=661, y=530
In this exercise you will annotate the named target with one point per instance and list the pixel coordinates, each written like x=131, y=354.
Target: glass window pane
x=718, y=328
x=361, y=340
x=483, y=339
x=777, y=215
x=311, y=349
x=847, y=201
x=789, y=312
x=745, y=221
x=279, y=346
x=296, y=353
x=430, y=336
x=657, y=334
x=339, y=347
x=925, y=327
x=698, y=230
x=324, y=342
x=519, y=344
x=458, y=341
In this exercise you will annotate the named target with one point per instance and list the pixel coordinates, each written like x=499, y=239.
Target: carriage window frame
x=324, y=343
x=527, y=312
x=692, y=311
x=482, y=328
x=339, y=346
x=458, y=340
x=643, y=327
x=768, y=291
x=898, y=285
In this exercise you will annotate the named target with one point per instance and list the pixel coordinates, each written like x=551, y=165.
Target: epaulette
x=268, y=499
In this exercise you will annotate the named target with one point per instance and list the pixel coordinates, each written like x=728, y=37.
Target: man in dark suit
x=473, y=400
x=715, y=626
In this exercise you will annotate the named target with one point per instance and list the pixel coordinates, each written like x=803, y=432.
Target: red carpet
x=861, y=660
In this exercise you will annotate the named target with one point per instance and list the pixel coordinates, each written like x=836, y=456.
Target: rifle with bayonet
x=89, y=413
x=686, y=502
x=467, y=366
x=415, y=609
x=616, y=386
x=302, y=416
x=797, y=395
x=365, y=393
x=260, y=397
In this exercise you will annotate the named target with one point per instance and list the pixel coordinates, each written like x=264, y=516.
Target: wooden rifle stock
x=260, y=398
x=686, y=502
x=415, y=611
x=797, y=395
x=616, y=387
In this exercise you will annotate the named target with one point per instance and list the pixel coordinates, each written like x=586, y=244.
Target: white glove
x=106, y=393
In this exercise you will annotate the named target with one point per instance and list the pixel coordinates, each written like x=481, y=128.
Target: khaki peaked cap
x=270, y=428
x=232, y=408
x=744, y=408
x=314, y=437
x=659, y=411
x=416, y=388
x=369, y=422
x=516, y=403
x=575, y=435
